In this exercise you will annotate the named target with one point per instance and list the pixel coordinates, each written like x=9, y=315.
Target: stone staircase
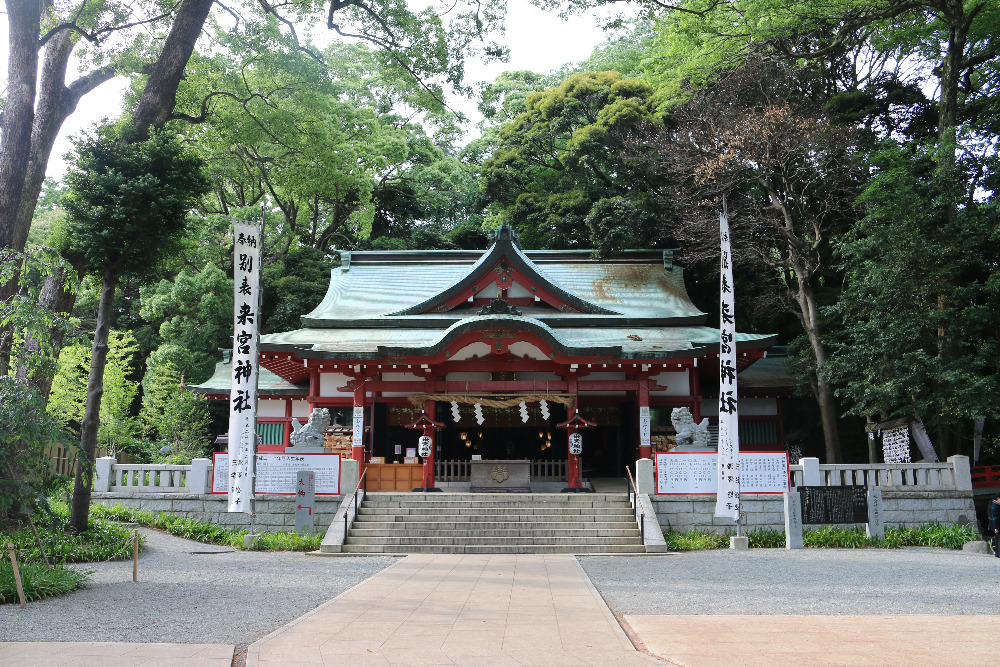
x=477, y=523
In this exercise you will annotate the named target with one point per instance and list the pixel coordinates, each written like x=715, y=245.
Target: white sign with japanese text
x=727, y=502
x=645, y=426
x=277, y=473
x=693, y=473
x=247, y=244
x=358, y=434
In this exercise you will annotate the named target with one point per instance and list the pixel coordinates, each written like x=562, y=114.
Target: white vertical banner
x=727, y=500
x=247, y=243
x=358, y=434
x=645, y=426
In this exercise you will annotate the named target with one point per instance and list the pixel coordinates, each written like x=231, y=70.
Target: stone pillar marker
x=875, y=526
x=305, y=501
x=793, y=520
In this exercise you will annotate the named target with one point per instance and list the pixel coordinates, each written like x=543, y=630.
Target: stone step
x=494, y=525
x=498, y=506
x=489, y=533
x=532, y=497
x=463, y=539
x=367, y=510
x=507, y=548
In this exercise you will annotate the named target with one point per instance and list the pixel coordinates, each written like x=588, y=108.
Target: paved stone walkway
x=107, y=654
x=827, y=641
x=542, y=610
x=459, y=610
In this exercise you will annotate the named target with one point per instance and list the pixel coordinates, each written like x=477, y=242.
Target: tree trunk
x=809, y=313
x=23, y=24
x=159, y=95
x=56, y=103
x=54, y=298
x=80, y=511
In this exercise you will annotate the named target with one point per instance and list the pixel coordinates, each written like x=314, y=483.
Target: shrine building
x=476, y=341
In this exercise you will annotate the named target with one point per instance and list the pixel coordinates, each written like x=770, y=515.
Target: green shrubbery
x=39, y=581
x=831, y=537
x=210, y=533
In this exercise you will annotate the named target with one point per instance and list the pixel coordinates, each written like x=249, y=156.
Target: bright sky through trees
x=539, y=41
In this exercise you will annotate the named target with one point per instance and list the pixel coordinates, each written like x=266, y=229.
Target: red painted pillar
x=429, y=461
x=645, y=447
x=286, y=428
x=572, y=460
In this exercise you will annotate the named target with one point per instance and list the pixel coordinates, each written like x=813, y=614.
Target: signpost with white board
x=277, y=473
x=694, y=473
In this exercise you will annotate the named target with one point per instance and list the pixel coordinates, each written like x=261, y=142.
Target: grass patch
x=831, y=537
x=209, y=533
x=38, y=581
x=102, y=541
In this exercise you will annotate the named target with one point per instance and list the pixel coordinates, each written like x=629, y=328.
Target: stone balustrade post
x=102, y=473
x=810, y=471
x=645, y=476
x=199, y=478
x=348, y=476
x=962, y=472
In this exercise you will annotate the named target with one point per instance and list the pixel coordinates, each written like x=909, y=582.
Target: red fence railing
x=985, y=476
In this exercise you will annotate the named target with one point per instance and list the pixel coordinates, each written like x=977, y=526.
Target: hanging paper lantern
x=575, y=444
x=424, y=446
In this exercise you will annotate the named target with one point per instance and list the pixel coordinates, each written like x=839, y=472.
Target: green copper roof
x=268, y=383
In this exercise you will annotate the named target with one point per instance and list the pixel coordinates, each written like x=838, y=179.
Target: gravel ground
x=189, y=592
x=916, y=580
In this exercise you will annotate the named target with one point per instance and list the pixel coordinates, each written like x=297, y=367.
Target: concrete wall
x=901, y=509
x=275, y=514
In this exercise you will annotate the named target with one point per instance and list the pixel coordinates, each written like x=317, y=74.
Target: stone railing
x=151, y=478
x=952, y=475
x=458, y=470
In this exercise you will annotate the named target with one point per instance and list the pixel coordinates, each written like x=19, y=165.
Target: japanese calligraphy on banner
x=358, y=432
x=727, y=502
x=645, y=422
x=247, y=242
x=896, y=445
x=692, y=473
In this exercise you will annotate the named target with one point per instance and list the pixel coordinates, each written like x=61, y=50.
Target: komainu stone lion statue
x=311, y=435
x=689, y=433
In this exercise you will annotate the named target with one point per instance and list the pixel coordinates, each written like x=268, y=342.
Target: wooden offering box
x=395, y=476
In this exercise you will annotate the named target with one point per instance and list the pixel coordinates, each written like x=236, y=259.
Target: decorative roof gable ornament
x=499, y=306
x=507, y=233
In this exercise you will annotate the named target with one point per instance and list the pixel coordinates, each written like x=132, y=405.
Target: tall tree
x=790, y=173
x=127, y=204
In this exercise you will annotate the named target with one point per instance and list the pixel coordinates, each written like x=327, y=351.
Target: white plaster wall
x=524, y=349
x=518, y=291
x=300, y=409
x=538, y=377
x=677, y=384
x=406, y=377
x=473, y=349
x=468, y=377
x=603, y=376
x=749, y=407
x=328, y=383
x=270, y=407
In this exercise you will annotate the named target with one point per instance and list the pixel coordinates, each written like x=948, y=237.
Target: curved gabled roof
x=410, y=288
